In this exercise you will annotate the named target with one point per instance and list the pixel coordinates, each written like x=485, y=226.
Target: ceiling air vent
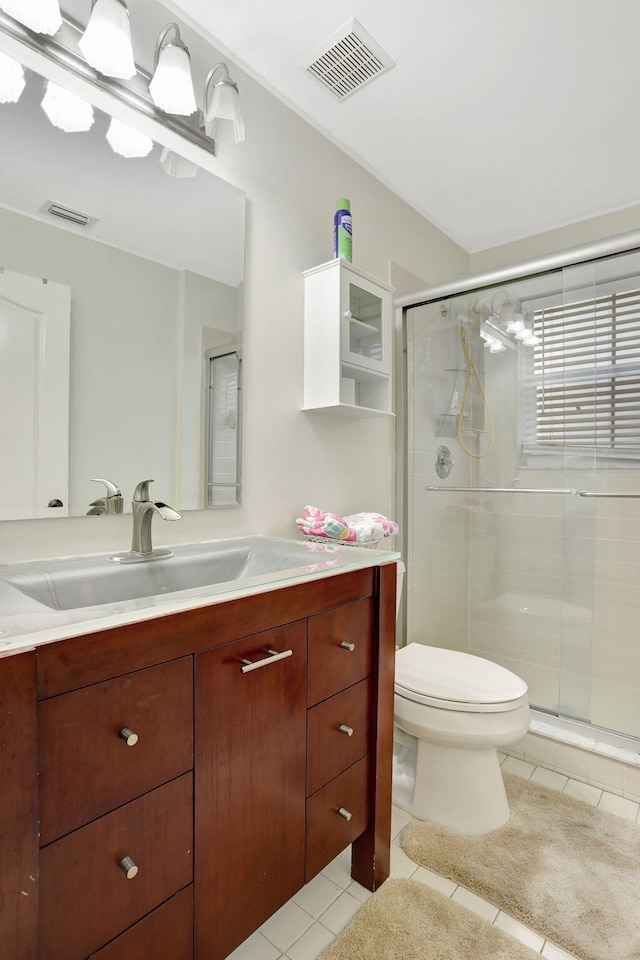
x=66, y=213
x=347, y=60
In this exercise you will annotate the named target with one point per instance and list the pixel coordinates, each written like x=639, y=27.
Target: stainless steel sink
x=94, y=580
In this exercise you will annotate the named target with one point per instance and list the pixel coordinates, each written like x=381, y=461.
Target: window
x=582, y=380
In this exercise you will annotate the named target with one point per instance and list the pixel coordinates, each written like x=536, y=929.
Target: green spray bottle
x=342, y=230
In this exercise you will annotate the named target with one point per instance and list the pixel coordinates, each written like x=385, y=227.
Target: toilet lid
x=453, y=676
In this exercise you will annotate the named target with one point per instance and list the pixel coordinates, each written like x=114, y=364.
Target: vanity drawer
x=86, y=898
x=338, y=734
x=328, y=831
x=165, y=934
x=86, y=766
x=340, y=649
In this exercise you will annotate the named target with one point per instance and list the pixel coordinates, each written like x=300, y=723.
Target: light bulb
x=65, y=110
x=171, y=87
x=177, y=166
x=41, y=16
x=106, y=42
x=516, y=323
x=126, y=141
x=12, y=81
x=223, y=104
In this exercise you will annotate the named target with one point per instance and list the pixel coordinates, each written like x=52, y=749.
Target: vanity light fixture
x=126, y=141
x=106, y=42
x=221, y=102
x=41, y=16
x=66, y=110
x=86, y=55
x=12, y=81
x=171, y=86
x=504, y=324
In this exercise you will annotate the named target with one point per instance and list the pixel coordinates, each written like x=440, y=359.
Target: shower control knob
x=444, y=462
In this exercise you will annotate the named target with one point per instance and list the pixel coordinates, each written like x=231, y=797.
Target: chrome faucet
x=111, y=502
x=143, y=511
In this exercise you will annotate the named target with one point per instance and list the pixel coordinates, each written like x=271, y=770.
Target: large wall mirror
x=154, y=284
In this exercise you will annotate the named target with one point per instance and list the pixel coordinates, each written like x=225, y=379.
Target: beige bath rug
x=566, y=869
x=406, y=920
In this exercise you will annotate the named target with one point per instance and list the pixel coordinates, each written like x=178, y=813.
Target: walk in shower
x=522, y=479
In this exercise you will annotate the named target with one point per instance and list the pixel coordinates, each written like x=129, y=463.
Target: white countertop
x=25, y=622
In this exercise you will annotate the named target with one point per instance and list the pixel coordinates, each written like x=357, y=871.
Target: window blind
x=586, y=373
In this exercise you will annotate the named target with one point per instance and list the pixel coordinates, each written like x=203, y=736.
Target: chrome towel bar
x=502, y=490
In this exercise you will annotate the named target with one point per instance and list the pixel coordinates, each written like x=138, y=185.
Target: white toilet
x=460, y=708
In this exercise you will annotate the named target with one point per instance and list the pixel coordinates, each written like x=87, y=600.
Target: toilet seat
x=451, y=680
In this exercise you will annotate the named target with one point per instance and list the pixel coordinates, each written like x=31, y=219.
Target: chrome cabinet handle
x=128, y=867
x=248, y=666
x=129, y=737
x=345, y=813
x=348, y=731
x=348, y=646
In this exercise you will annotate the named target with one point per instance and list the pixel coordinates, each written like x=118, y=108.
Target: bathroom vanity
x=167, y=784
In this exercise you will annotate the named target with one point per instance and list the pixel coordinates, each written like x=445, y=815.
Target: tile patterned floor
x=304, y=926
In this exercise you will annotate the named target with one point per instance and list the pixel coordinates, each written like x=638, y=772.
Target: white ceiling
x=501, y=118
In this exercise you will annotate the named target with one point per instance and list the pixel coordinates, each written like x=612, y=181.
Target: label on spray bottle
x=342, y=230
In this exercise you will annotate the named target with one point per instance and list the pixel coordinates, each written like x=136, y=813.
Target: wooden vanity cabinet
x=230, y=751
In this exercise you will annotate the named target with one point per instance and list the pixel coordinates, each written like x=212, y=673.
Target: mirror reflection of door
x=34, y=396
x=224, y=416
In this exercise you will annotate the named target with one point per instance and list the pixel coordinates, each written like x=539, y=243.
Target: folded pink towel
x=356, y=528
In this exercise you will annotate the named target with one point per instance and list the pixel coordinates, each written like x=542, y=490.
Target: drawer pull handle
x=348, y=731
x=128, y=867
x=348, y=646
x=129, y=737
x=248, y=666
x=345, y=813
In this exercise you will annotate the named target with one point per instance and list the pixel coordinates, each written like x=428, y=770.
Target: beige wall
x=292, y=176
x=553, y=241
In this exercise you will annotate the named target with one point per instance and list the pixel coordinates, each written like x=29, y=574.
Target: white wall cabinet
x=347, y=342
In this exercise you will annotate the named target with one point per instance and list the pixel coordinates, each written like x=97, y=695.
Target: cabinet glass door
x=364, y=332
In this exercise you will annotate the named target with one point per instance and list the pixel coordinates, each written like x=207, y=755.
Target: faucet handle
x=142, y=491
x=112, y=489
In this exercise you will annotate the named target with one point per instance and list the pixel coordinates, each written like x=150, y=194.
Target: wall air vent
x=347, y=60
x=66, y=213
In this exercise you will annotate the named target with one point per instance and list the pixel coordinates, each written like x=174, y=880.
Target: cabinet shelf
x=362, y=374
x=361, y=329
x=352, y=411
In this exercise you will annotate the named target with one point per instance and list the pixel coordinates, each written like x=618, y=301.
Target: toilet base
x=459, y=788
